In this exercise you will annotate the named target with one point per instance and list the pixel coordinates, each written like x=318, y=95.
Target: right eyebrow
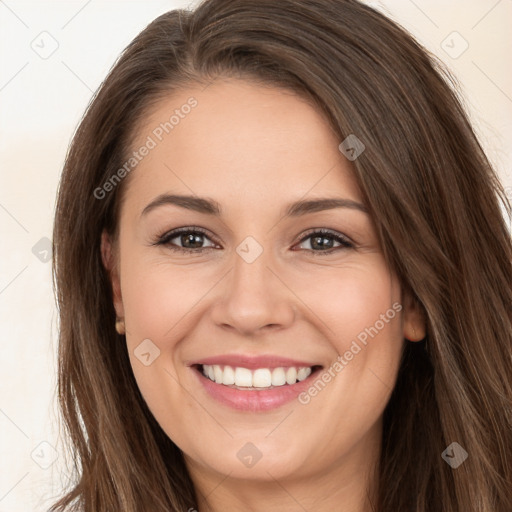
x=198, y=204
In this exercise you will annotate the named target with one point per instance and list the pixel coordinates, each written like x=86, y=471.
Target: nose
x=253, y=298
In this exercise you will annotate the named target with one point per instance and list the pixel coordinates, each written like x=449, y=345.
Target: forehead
x=237, y=139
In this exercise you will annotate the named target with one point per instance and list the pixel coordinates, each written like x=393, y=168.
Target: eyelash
x=167, y=237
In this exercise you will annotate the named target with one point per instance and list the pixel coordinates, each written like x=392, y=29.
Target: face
x=245, y=282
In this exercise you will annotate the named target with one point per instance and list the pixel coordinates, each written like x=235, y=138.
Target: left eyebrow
x=317, y=205
x=211, y=207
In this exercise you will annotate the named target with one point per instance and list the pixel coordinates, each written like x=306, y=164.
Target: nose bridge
x=250, y=265
x=253, y=297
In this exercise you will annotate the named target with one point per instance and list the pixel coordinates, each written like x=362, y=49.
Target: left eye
x=320, y=241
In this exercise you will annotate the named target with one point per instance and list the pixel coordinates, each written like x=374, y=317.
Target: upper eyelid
x=173, y=233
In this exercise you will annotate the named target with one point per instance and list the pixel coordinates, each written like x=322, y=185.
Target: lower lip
x=254, y=400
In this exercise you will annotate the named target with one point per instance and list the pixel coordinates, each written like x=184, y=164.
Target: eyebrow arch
x=211, y=207
x=198, y=204
x=317, y=205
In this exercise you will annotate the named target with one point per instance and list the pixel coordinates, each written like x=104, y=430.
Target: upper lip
x=252, y=362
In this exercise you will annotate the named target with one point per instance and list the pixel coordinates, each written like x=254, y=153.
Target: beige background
x=42, y=98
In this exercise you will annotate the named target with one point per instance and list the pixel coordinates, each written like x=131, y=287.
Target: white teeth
x=228, y=376
x=303, y=373
x=243, y=377
x=218, y=374
x=260, y=378
x=291, y=375
x=278, y=377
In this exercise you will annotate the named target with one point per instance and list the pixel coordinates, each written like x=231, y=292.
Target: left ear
x=414, y=324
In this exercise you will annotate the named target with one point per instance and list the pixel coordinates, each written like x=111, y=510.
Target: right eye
x=186, y=235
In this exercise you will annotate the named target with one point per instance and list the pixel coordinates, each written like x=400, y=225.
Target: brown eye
x=322, y=241
x=187, y=240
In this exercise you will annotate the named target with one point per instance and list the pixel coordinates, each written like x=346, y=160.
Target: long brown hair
x=435, y=200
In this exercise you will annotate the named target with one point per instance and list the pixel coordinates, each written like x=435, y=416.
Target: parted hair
x=438, y=207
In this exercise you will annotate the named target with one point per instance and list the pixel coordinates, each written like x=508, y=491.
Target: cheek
x=158, y=302
x=360, y=315
x=157, y=298
x=349, y=301
x=346, y=400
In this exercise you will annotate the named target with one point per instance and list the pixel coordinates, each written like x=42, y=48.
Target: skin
x=254, y=150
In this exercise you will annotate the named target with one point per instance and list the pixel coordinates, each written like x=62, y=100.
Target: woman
x=283, y=274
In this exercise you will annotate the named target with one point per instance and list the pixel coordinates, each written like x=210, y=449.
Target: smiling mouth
x=258, y=379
